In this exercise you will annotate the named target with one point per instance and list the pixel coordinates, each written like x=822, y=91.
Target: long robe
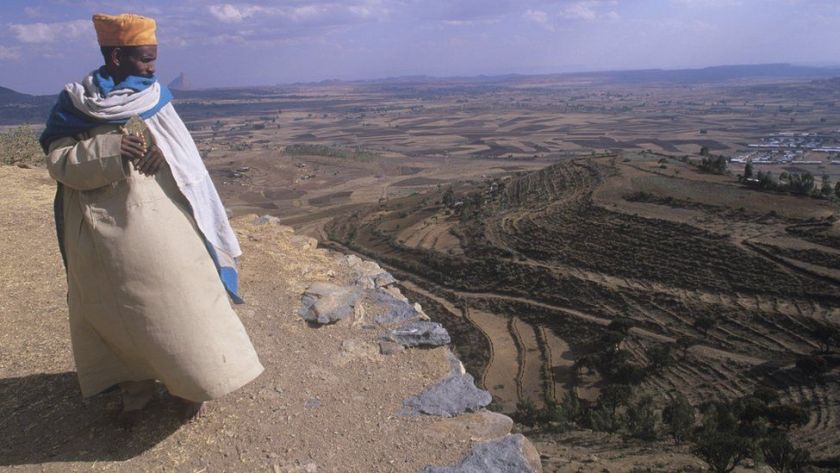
x=144, y=295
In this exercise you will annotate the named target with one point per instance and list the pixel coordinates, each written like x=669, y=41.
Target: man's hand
x=148, y=162
x=131, y=147
x=151, y=163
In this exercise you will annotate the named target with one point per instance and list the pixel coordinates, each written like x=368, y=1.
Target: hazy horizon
x=48, y=43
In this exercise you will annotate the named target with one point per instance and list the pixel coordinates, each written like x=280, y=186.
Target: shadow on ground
x=43, y=418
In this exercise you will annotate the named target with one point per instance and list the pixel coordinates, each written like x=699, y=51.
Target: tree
x=722, y=451
x=767, y=394
x=787, y=416
x=828, y=336
x=660, y=357
x=678, y=416
x=449, y=198
x=781, y=455
x=748, y=170
x=812, y=366
x=801, y=184
x=704, y=151
x=572, y=406
x=641, y=419
x=683, y=344
x=825, y=187
x=837, y=189
x=705, y=323
x=614, y=396
x=526, y=412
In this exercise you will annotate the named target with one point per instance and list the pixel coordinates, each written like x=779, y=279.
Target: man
x=149, y=252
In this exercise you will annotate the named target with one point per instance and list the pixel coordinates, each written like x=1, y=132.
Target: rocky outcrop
x=376, y=303
x=510, y=454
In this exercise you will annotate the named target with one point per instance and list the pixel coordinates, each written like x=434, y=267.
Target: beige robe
x=145, y=298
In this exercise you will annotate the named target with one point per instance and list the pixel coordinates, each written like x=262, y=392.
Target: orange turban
x=124, y=30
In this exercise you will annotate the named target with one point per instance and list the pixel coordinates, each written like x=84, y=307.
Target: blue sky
x=46, y=43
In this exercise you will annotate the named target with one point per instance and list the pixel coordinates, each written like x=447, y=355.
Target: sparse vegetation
x=19, y=146
x=358, y=154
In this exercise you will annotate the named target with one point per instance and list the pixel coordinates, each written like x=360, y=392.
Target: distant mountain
x=19, y=108
x=180, y=83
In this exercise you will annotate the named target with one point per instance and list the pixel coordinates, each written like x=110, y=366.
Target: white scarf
x=179, y=150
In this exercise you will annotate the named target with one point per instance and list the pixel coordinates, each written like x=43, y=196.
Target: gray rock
x=326, y=303
x=419, y=333
x=369, y=274
x=511, y=454
x=266, y=219
x=456, y=368
x=450, y=397
x=395, y=310
x=383, y=279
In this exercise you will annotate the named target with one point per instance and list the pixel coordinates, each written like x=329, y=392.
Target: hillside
x=634, y=271
x=330, y=400
x=17, y=108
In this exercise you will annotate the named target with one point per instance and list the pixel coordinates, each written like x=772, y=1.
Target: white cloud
x=708, y=3
x=579, y=11
x=32, y=12
x=51, y=32
x=539, y=17
x=9, y=54
x=233, y=14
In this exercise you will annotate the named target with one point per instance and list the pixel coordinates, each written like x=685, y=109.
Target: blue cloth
x=66, y=120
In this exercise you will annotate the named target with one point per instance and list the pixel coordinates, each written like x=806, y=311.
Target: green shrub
x=678, y=416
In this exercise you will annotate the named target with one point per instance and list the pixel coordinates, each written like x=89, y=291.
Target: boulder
x=453, y=395
x=393, y=310
x=369, y=274
x=326, y=303
x=480, y=426
x=511, y=454
x=267, y=220
x=418, y=333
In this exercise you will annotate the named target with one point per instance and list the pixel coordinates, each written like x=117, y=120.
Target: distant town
x=793, y=148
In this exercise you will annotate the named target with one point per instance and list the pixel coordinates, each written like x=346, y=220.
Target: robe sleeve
x=89, y=163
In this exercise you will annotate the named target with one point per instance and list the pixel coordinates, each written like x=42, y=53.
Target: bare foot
x=135, y=396
x=194, y=411
x=191, y=411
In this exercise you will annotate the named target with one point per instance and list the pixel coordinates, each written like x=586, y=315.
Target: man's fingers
x=145, y=163
x=151, y=163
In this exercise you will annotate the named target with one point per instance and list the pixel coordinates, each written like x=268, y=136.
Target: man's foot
x=191, y=411
x=194, y=411
x=135, y=396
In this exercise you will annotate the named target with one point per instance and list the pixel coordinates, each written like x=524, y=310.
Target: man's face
x=138, y=61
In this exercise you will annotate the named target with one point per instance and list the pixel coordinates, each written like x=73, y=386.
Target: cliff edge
x=357, y=378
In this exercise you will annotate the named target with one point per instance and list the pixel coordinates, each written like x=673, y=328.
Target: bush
x=20, y=146
x=678, y=416
x=722, y=451
x=781, y=455
x=526, y=413
x=787, y=416
x=713, y=164
x=660, y=357
x=642, y=419
x=604, y=419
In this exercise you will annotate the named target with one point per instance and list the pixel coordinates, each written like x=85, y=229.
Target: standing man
x=148, y=249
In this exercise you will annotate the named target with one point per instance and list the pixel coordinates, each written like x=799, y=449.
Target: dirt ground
x=316, y=403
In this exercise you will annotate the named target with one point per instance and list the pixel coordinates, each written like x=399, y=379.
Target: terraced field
x=545, y=260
